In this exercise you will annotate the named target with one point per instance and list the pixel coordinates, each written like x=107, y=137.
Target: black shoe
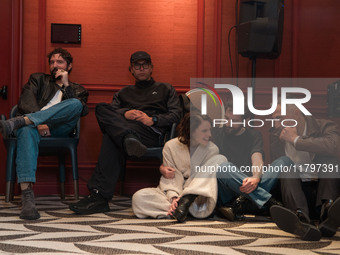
x=134, y=147
x=236, y=210
x=264, y=210
x=182, y=210
x=8, y=126
x=229, y=213
x=330, y=220
x=324, y=210
x=295, y=223
x=93, y=203
x=272, y=201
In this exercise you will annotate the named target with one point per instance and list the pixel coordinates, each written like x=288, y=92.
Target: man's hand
x=63, y=76
x=132, y=114
x=138, y=116
x=249, y=184
x=289, y=134
x=145, y=119
x=44, y=130
x=167, y=172
x=173, y=205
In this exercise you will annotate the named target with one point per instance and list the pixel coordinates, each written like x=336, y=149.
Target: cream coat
x=191, y=177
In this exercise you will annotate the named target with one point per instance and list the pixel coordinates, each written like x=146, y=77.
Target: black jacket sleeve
x=29, y=98
x=116, y=104
x=77, y=91
x=174, y=113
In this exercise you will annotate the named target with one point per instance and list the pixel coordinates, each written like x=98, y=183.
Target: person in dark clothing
x=244, y=183
x=137, y=118
x=49, y=105
x=310, y=189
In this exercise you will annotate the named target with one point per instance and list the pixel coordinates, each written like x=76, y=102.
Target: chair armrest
x=173, y=131
x=170, y=135
x=76, y=131
x=14, y=111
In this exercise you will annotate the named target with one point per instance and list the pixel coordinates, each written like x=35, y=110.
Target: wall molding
x=116, y=87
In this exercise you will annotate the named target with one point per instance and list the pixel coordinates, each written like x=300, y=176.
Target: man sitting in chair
x=49, y=105
x=137, y=118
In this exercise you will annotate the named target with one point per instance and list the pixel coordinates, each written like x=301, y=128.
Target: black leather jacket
x=41, y=88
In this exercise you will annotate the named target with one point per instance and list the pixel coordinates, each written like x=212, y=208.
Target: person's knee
x=226, y=170
x=137, y=196
x=76, y=105
x=137, y=199
x=27, y=131
x=100, y=107
x=284, y=161
x=227, y=167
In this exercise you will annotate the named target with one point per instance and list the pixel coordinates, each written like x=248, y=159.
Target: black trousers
x=307, y=196
x=111, y=161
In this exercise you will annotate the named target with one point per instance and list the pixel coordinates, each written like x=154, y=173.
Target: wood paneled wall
x=186, y=38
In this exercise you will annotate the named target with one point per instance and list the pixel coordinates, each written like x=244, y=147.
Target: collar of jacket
x=313, y=128
x=145, y=83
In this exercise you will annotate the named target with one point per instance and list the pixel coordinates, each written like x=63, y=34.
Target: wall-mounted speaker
x=65, y=33
x=260, y=28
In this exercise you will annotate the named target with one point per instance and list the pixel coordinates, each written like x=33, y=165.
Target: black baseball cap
x=140, y=55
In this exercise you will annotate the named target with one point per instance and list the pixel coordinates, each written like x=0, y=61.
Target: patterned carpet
x=59, y=231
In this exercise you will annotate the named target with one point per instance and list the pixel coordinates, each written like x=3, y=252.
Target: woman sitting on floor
x=193, y=189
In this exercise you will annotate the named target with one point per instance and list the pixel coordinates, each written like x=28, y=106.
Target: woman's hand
x=173, y=205
x=167, y=172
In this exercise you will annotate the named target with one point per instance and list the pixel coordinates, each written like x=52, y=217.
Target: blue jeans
x=61, y=119
x=229, y=183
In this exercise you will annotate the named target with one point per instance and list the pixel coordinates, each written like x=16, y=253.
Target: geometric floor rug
x=59, y=231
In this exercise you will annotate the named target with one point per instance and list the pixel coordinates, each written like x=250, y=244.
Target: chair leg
x=11, y=197
x=62, y=190
x=9, y=191
x=10, y=169
x=62, y=175
x=74, y=158
x=121, y=189
x=76, y=189
x=122, y=178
